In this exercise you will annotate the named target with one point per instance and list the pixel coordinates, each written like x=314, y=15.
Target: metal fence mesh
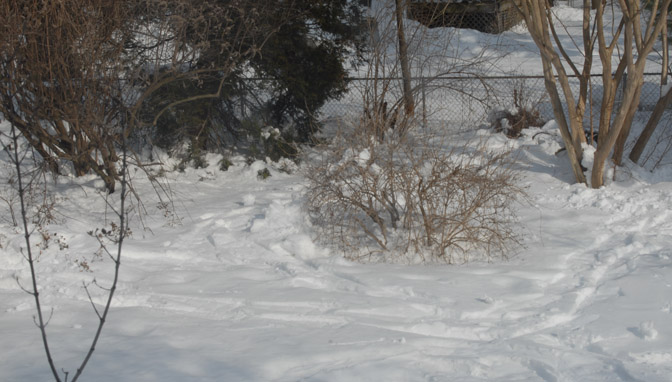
x=469, y=100
x=488, y=17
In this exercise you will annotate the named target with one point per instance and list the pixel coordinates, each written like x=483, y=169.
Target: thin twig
x=91, y=299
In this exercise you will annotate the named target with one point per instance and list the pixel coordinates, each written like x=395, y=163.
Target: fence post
x=498, y=18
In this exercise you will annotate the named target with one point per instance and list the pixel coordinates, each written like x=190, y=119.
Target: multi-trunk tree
x=622, y=37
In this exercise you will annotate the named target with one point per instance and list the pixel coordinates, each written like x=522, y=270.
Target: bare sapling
x=18, y=156
x=396, y=77
x=409, y=101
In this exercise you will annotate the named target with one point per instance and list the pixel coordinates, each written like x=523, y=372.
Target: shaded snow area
x=225, y=284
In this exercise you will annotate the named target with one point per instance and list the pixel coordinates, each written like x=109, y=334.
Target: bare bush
x=408, y=197
x=523, y=113
x=75, y=74
x=386, y=190
x=55, y=63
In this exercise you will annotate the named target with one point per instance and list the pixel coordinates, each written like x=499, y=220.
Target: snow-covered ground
x=226, y=284
x=232, y=288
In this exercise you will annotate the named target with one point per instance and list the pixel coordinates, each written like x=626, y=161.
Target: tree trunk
x=409, y=102
x=619, y=149
x=651, y=125
x=535, y=16
x=564, y=127
x=606, y=144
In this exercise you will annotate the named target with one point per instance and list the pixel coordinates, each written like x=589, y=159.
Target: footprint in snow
x=543, y=370
x=486, y=299
x=645, y=331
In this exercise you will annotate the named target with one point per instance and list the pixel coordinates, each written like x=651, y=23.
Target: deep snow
x=237, y=291
x=226, y=284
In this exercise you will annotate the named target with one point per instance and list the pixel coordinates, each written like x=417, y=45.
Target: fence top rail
x=475, y=77
x=460, y=77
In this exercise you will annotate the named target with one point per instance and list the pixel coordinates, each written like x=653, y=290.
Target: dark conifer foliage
x=300, y=66
x=307, y=60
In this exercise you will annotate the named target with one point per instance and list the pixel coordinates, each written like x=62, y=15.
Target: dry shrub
x=524, y=113
x=385, y=190
x=75, y=74
x=58, y=62
x=407, y=197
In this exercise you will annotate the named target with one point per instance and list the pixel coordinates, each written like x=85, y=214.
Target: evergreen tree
x=303, y=64
x=307, y=60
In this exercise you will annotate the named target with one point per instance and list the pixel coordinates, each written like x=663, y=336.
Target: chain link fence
x=488, y=17
x=468, y=101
